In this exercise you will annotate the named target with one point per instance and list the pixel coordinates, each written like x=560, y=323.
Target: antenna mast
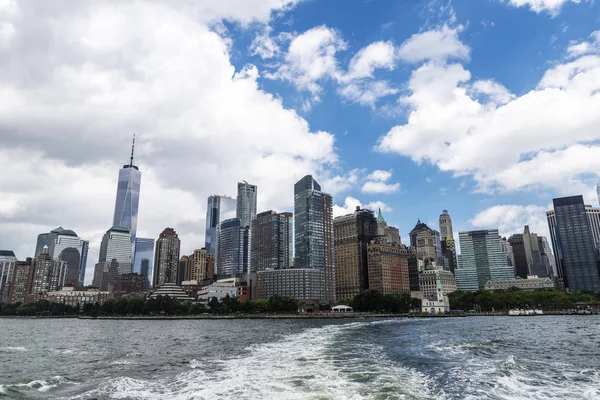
x=132, y=147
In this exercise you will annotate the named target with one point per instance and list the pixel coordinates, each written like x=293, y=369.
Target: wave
x=13, y=348
x=40, y=385
x=315, y=363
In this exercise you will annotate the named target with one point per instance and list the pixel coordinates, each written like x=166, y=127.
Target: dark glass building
x=574, y=245
x=232, y=254
x=271, y=246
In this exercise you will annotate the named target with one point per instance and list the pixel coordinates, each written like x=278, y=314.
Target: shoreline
x=277, y=316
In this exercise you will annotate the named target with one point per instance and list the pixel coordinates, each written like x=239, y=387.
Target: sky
x=486, y=108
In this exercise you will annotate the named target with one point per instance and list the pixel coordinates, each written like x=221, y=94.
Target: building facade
x=445, y=225
x=64, y=244
x=71, y=296
x=299, y=283
x=232, y=256
x=200, y=266
x=271, y=245
x=434, y=278
x=114, y=258
x=391, y=233
x=22, y=282
x=48, y=275
x=574, y=242
x=246, y=202
x=531, y=283
x=128, y=199
x=351, y=236
x=166, y=258
x=144, y=258
x=481, y=259
x=427, y=244
x=313, y=235
x=510, y=255
x=388, y=267
x=529, y=255
x=8, y=260
x=219, y=208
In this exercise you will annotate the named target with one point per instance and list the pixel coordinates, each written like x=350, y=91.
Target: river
x=540, y=357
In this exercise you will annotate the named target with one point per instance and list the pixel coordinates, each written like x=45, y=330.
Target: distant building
x=144, y=257
x=200, y=266
x=70, y=296
x=220, y=289
x=271, y=244
x=114, y=258
x=574, y=230
x=8, y=260
x=531, y=283
x=65, y=245
x=127, y=284
x=22, y=282
x=219, y=208
x=529, y=255
x=232, y=255
x=172, y=290
x=388, y=267
x=510, y=255
x=166, y=258
x=182, y=269
x=313, y=235
x=48, y=275
x=246, y=203
x=391, y=234
x=445, y=225
x=413, y=269
x=128, y=199
x=299, y=283
x=434, y=278
x=482, y=259
x=351, y=236
x=427, y=243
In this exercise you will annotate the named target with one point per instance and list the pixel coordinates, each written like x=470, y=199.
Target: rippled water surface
x=542, y=357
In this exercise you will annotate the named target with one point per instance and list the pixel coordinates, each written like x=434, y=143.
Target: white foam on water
x=3, y=390
x=43, y=385
x=299, y=366
x=13, y=348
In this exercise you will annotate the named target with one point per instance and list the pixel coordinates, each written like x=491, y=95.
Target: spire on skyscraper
x=132, y=148
x=380, y=218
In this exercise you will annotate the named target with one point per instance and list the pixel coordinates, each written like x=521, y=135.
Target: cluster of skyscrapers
x=307, y=254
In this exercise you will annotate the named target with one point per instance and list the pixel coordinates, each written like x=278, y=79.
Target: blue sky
x=486, y=108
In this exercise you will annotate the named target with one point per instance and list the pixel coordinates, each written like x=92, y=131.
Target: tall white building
x=64, y=245
x=246, y=203
x=445, y=225
x=115, y=256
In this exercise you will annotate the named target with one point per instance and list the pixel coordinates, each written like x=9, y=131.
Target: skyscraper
x=529, y=255
x=7, y=269
x=598, y=191
x=246, y=203
x=388, y=267
x=64, y=244
x=271, y=245
x=48, y=275
x=313, y=234
x=114, y=258
x=574, y=242
x=391, y=233
x=351, y=235
x=144, y=257
x=219, y=208
x=427, y=243
x=166, y=258
x=21, y=285
x=200, y=266
x=445, y=225
x=232, y=255
x=482, y=259
x=128, y=198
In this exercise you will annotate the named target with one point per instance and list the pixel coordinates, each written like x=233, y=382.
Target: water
x=547, y=357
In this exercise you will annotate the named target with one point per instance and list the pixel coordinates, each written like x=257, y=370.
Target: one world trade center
x=128, y=198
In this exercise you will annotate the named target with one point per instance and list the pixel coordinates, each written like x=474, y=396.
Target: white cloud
x=437, y=44
x=376, y=183
x=505, y=142
x=538, y=6
x=375, y=55
x=509, y=219
x=367, y=93
x=264, y=45
x=310, y=58
x=107, y=70
x=350, y=204
x=577, y=49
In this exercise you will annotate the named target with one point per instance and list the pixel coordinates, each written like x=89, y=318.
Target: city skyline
x=340, y=124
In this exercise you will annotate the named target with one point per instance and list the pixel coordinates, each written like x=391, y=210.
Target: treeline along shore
x=368, y=304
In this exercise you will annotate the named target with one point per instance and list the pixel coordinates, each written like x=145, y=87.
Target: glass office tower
x=128, y=198
x=313, y=235
x=144, y=257
x=246, y=203
x=575, y=247
x=219, y=208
